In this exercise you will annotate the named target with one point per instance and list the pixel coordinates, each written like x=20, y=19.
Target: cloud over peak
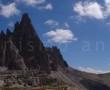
x=32, y=2
x=61, y=36
x=9, y=10
x=39, y=4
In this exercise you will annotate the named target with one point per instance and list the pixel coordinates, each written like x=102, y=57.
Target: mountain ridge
x=23, y=50
x=29, y=46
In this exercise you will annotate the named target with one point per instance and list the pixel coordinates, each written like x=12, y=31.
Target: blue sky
x=80, y=28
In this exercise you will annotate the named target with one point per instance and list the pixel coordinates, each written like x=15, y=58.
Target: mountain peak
x=25, y=42
x=25, y=19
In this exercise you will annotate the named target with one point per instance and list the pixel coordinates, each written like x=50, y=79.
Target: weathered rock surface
x=56, y=60
x=22, y=49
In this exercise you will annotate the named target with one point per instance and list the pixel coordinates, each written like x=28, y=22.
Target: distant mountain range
x=22, y=49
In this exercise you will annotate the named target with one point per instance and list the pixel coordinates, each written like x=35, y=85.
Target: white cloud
x=33, y=2
x=107, y=6
x=107, y=1
x=61, y=36
x=92, y=70
x=40, y=4
x=55, y=24
x=93, y=9
x=49, y=6
x=46, y=7
x=9, y=10
x=51, y=22
x=89, y=9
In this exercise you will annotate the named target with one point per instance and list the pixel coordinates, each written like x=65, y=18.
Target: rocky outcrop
x=56, y=60
x=9, y=54
x=22, y=49
x=29, y=45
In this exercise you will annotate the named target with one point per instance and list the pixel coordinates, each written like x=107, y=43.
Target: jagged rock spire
x=23, y=49
x=25, y=19
x=29, y=44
